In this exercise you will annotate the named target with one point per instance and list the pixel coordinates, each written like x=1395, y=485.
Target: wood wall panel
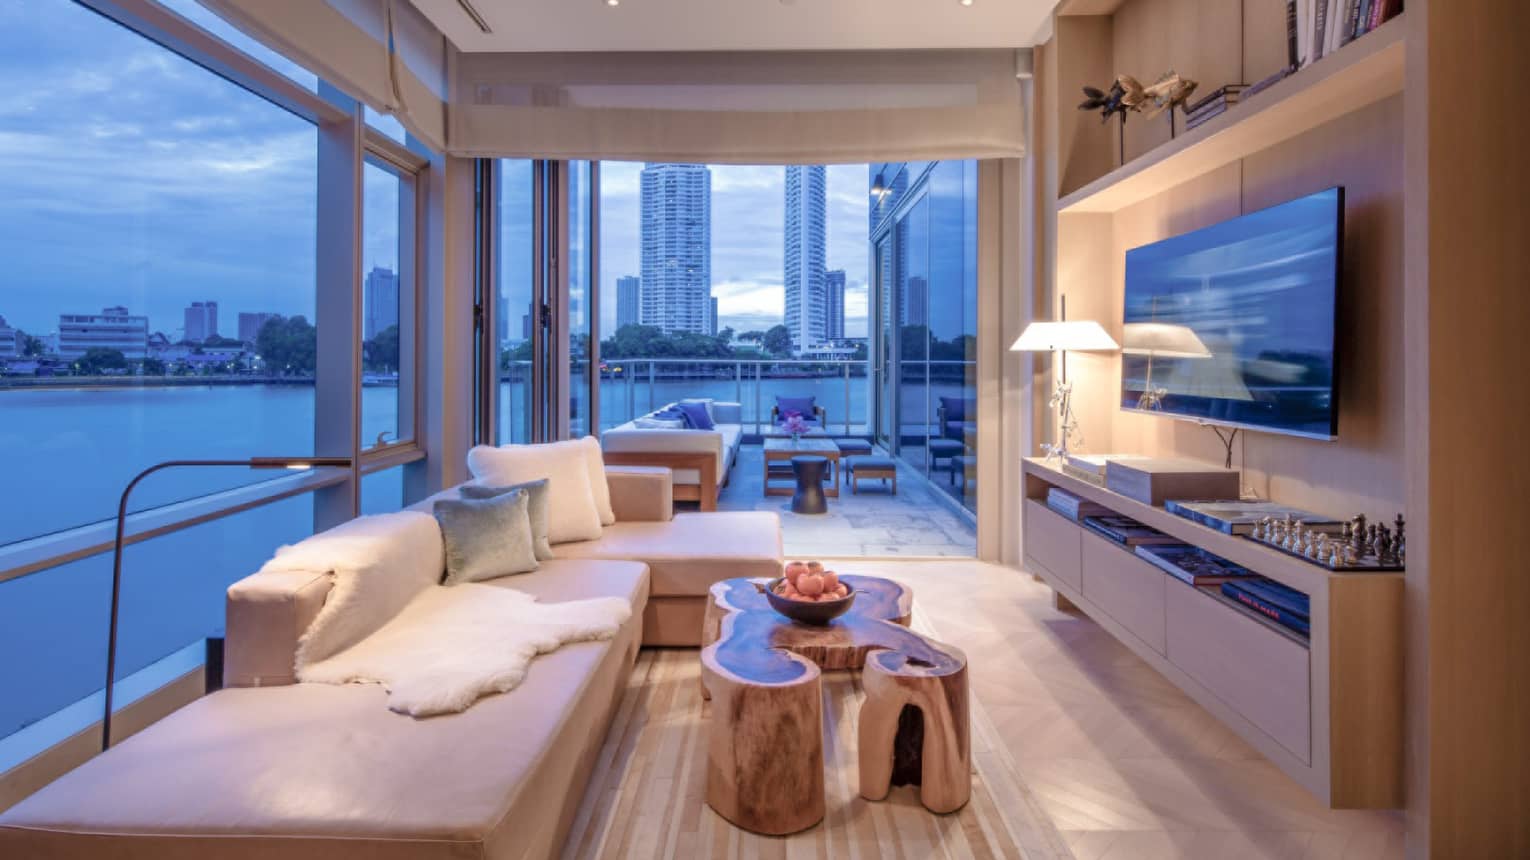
x=1081, y=57
x=1364, y=470
x=1199, y=39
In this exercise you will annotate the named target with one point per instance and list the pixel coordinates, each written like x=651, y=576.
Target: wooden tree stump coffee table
x=765, y=770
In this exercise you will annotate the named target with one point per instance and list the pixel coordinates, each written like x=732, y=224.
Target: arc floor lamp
x=117, y=547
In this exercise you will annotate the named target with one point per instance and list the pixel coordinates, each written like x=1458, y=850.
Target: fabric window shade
x=346, y=42
x=739, y=107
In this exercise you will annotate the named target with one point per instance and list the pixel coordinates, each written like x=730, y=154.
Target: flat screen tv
x=1235, y=323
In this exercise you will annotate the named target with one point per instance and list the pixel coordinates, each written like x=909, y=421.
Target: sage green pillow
x=538, y=492
x=486, y=538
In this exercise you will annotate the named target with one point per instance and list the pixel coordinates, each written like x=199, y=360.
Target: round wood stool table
x=765, y=769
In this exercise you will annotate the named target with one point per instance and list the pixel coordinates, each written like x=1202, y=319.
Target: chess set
x=1360, y=545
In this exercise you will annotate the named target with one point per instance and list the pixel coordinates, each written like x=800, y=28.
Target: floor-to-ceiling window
x=580, y=321
x=924, y=218
x=160, y=302
x=518, y=315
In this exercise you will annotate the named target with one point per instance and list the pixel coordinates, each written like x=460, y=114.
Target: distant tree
x=153, y=367
x=726, y=335
x=752, y=336
x=778, y=340
x=97, y=361
x=646, y=341
x=288, y=345
x=217, y=340
x=31, y=346
x=380, y=354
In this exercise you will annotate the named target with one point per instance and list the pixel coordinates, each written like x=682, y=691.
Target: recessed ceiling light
x=613, y=2
x=966, y=2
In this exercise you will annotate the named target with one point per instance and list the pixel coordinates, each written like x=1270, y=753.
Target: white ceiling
x=720, y=25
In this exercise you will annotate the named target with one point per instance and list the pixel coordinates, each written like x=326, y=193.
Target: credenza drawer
x=1052, y=542
x=1258, y=672
x=1129, y=589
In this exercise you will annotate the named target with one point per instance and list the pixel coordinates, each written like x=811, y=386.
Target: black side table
x=810, y=473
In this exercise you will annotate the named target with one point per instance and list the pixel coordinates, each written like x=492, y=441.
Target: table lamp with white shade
x=1062, y=336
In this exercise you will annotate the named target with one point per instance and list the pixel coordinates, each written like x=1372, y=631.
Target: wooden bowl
x=818, y=613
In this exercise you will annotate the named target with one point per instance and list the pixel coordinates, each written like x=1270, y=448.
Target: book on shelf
x=1091, y=467
x=1318, y=28
x=1263, y=84
x=1126, y=531
x=1239, y=517
x=1204, y=117
x=1191, y=564
x=1226, y=94
x=1284, y=605
x=1073, y=507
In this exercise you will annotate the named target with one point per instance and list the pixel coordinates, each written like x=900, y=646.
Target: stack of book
x=1317, y=28
x=1214, y=104
x=1073, y=507
x=1126, y=531
x=1191, y=564
x=1281, y=604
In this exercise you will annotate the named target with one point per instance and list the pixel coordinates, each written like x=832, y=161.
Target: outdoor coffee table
x=779, y=449
x=765, y=770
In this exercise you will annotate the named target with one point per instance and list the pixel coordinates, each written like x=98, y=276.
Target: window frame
x=336, y=490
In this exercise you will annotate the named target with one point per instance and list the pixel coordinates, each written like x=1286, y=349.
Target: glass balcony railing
x=633, y=387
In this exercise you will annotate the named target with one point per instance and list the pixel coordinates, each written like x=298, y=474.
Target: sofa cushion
x=536, y=508
x=572, y=514
x=487, y=538
x=312, y=771
x=692, y=551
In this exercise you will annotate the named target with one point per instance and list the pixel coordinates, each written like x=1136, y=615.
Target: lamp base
x=1067, y=426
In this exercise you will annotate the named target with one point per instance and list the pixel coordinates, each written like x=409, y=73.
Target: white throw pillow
x=658, y=424
x=572, y=514
x=596, y=461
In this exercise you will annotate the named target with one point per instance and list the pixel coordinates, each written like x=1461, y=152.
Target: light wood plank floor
x=1126, y=765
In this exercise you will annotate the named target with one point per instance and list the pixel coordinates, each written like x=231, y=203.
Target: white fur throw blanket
x=436, y=649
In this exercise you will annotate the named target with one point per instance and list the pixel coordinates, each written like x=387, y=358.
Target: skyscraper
x=380, y=301
x=628, y=300
x=201, y=321
x=834, y=305
x=806, y=214
x=251, y=324
x=676, y=205
x=916, y=302
x=712, y=324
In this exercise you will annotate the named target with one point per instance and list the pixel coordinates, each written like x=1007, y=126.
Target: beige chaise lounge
x=270, y=768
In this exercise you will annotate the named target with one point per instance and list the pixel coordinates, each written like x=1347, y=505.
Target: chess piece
x=1400, y=549
x=1357, y=532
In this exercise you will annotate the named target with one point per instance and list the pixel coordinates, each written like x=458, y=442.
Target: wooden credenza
x=1326, y=708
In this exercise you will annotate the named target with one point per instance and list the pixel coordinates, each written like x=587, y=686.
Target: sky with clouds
x=130, y=176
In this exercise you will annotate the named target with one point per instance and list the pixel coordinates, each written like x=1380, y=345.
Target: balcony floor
x=921, y=521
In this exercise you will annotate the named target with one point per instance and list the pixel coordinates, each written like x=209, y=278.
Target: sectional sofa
x=700, y=459
x=268, y=767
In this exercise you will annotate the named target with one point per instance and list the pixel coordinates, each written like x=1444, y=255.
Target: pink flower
x=795, y=424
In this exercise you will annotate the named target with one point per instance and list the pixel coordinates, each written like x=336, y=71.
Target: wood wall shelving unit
x=1364, y=71
x=1332, y=716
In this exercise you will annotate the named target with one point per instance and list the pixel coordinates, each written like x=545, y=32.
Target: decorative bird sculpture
x=1107, y=103
x=1128, y=94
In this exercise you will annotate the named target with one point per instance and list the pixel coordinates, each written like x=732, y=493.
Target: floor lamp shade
x=1066, y=335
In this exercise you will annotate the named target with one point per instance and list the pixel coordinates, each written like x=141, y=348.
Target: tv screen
x=1234, y=323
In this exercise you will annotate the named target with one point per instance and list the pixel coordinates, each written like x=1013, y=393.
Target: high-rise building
x=113, y=328
x=676, y=206
x=916, y=302
x=628, y=300
x=380, y=300
x=834, y=305
x=201, y=321
x=712, y=325
x=250, y=325
x=806, y=215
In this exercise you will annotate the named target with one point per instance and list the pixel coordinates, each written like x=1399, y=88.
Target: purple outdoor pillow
x=796, y=405
x=695, y=413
